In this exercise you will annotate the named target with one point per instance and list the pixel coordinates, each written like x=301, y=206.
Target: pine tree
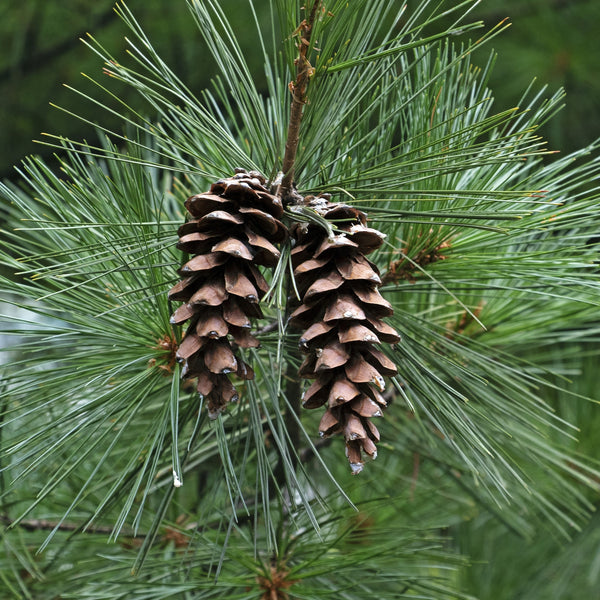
x=474, y=308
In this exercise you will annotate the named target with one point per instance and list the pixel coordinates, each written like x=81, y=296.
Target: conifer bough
x=237, y=224
x=232, y=228
x=235, y=227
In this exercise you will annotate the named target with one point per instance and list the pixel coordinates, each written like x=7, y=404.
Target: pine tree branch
x=272, y=326
x=307, y=453
x=304, y=71
x=44, y=525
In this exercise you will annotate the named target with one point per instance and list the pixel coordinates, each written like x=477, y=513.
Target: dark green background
x=553, y=41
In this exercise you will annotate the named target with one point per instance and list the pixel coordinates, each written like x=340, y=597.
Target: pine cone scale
x=234, y=315
x=211, y=325
x=212, y=293
x=234, y=247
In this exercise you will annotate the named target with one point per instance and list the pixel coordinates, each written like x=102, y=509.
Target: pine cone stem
x=304, y=71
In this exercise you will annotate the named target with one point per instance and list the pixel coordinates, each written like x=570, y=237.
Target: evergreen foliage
x=490, y=263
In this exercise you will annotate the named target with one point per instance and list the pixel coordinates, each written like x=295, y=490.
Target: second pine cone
x=341, y=313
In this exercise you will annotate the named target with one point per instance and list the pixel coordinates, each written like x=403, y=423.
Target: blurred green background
x=555, y=42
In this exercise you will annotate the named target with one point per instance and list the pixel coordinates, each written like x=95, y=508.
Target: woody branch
x=304, y=71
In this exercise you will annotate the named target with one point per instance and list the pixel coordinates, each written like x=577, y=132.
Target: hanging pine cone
x=341, y=311
x=232, y=229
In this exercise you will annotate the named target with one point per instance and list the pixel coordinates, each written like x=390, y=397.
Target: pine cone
x=341, y=311
x=232, y=229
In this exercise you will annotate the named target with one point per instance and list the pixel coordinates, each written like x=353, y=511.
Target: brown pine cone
x=341, y=311
x=232, y=228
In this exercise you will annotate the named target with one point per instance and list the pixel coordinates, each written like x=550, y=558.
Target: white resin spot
x=176, y=481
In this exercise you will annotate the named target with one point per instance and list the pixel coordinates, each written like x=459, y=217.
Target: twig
x=304, y=72
x=308, y=453
x=272, y=326
x=44, y=525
